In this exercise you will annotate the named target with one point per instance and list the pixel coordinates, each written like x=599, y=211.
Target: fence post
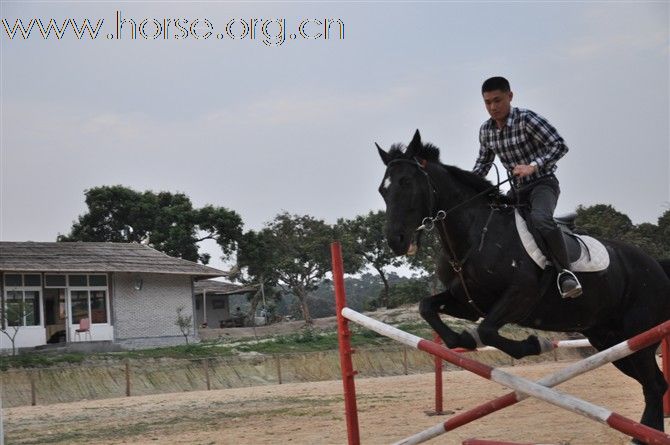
x=343, y=334
x=404, y=359
x=277, y=360
x=205, y=366
x=33, y=392
x=127, y=362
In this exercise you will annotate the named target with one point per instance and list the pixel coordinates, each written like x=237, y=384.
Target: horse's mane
x=431, y=153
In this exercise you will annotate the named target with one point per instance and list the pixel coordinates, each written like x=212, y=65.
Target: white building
x=130, y=293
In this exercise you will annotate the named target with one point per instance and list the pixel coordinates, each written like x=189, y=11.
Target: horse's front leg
x=446, y=303
x=509, y=309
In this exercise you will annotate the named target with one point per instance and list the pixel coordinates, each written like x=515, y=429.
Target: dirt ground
x=390, y=409
x=395, y=315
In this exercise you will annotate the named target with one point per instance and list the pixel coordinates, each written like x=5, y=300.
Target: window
x=32, y=280
x=91, y=304
x=90, y=300
x=54, y=280
x=97, y=280
x=31, y=299
x=22, y=307
x=13, y=280
x=98, y=306
x=22, y=299
x=78, y=281
x=79, y=305
x=13, y=303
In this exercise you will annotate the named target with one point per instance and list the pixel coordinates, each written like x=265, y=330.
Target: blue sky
x=261, y=129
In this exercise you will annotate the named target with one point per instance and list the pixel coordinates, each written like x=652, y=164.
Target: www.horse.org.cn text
x=271, y=32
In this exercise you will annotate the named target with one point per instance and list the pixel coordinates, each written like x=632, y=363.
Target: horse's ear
x=415, y=145
x=384, y=155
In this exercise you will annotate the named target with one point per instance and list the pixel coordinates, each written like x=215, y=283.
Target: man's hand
x=523, y=170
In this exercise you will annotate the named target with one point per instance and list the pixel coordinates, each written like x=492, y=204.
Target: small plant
x=12, y=320
x=184, y=322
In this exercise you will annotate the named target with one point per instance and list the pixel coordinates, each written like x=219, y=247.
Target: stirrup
x=572, y=293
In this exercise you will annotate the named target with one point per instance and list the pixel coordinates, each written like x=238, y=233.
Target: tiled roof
x=222, y=288
x=95, y=257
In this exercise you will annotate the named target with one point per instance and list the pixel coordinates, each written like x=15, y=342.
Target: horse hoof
x=472, y=332
x=546, y=345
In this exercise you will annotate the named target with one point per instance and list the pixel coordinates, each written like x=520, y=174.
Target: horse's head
x=407, y=191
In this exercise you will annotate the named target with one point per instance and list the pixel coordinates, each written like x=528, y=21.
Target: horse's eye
x=404, y=182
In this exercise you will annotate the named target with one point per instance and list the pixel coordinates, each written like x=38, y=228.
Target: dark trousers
x=541, y=196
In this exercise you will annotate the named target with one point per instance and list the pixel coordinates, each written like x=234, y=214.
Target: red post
x=665, y=352
x=343, y=334
x=438, y=378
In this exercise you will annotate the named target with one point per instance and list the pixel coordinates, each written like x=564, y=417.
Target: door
x=55, y=315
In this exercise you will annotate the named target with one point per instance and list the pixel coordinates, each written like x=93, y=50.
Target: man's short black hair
x=496, y=83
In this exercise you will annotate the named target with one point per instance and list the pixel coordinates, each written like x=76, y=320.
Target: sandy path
x=390, y=409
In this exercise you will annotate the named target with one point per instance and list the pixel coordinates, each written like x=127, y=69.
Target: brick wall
x=151, y=312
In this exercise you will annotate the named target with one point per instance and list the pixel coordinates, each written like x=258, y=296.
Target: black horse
x=504, y=285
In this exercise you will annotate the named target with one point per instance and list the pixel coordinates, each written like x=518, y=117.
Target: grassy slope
x=306, y=340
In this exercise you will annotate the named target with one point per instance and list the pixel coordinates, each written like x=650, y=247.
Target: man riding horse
x=529, y=147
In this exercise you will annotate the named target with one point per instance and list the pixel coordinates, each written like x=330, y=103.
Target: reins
x=428, y=223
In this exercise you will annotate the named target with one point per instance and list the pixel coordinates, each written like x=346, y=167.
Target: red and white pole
x=343, y=334
x=574, y=404
x=665, y=360
x=438, y=378
x=588, y=364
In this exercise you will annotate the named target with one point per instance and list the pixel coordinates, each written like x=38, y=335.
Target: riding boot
x=567, y=282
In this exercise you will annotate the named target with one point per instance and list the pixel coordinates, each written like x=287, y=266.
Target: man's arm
x=485, y=158
x=547, y=136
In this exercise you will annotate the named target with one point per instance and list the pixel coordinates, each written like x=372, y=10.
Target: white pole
x=204, y=306
x=2, y=429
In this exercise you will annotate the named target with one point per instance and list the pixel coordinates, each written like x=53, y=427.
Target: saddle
x=586, y=254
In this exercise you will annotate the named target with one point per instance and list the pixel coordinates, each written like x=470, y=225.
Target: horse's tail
x=665, y=264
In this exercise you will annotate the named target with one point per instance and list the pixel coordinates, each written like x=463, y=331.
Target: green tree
x=408, y=291
x=111, y=211
x=664, y=233
x=647, y=237
x=165, y=221
x=221, y=225
x=294, y=252
x=602, y=220
x=364, y=236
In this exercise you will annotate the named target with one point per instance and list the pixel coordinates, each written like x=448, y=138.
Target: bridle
x=428, y=223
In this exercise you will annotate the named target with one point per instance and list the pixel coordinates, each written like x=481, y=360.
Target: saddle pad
x=598, y=259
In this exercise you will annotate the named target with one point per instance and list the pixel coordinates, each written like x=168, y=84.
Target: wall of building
x=217, y=309
x=26, y=337
x=147, y=317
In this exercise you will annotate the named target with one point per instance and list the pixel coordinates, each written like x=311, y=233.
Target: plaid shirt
x=527, y=137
